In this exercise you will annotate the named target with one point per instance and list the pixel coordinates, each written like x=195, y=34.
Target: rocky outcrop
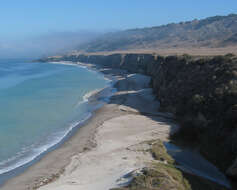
x=201, y=92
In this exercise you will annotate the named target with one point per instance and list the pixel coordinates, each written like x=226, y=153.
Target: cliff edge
x=200, y=91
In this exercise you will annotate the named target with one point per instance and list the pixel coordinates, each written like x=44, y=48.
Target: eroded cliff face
x=203, y=95
x=201, y=92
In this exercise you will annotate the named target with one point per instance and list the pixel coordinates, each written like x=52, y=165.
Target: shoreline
x=92, y=98
x=117, y=151
x=110, y=148
x=46, y=170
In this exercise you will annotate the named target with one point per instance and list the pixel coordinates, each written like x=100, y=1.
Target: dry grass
x=202, y=51
x=163, y=175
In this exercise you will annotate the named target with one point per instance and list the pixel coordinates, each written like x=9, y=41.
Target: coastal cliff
x=200, y=91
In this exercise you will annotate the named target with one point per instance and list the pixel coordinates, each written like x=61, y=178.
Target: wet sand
x=106, y=147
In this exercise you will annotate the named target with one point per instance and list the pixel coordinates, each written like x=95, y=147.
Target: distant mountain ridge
x=217, y=31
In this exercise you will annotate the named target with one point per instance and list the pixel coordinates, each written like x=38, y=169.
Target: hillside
x=217, y=31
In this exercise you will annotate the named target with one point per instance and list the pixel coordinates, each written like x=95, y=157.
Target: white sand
x=119, y=144
x=118, y=130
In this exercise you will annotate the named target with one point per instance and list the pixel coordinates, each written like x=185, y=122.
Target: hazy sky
x=22, y=20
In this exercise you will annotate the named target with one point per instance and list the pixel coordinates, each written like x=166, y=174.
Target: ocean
x=40, y=103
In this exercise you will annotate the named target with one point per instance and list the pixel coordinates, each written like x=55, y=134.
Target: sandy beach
x=106, y=151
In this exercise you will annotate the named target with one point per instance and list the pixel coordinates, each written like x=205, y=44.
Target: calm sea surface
x=40, y=103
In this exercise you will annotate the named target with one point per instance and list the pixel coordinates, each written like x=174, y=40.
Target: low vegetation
x=217, y=31
x=163, y=175
x=200, y=91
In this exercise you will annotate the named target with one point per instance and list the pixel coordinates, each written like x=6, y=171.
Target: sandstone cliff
x=201, y=92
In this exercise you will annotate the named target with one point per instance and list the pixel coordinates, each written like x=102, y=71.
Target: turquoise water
x=39, y=104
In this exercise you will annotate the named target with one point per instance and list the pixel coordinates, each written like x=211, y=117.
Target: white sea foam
x=79, y=64
x=57, y=138
x=87, y=96
x=64, y=63
x=30, y=153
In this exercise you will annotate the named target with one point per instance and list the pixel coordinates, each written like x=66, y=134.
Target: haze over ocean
x=41, y=27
